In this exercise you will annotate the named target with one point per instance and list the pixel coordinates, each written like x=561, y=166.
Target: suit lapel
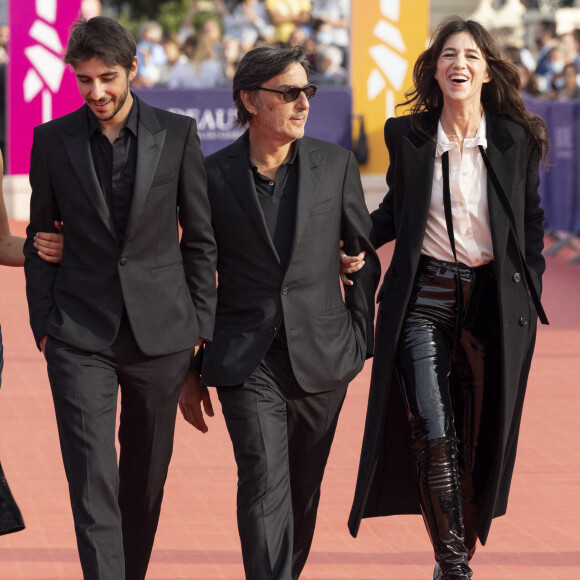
x=150, y=141
x=238, y=173
x=502, y=155
x=311, y=164
x=78, y=147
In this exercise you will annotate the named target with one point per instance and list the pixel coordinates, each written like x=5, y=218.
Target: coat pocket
x=322, y=206
x=173, y=266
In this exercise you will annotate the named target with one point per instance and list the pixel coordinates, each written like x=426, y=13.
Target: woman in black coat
x=456, y=324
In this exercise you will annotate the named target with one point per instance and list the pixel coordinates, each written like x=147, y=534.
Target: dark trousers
x=281, y=437
x=450, y=382
x=115, y=506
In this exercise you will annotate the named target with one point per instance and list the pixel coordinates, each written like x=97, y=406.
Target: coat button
x=523, y=321
x=517, y=277
x=381, y=311
x=394, y=271
x=285, y=290
x=123, y=261
x=273, y=330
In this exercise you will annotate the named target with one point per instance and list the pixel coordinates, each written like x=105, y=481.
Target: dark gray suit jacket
x=328, y=337
x=167, y=286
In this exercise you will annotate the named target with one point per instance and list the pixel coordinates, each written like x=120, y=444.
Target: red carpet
x=197, y=537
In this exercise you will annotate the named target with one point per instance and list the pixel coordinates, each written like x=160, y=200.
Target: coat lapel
x=150, y=141
x=311, y=164
x=502, y=155
x=238, y=174
x=418, y=152
x=77, y=142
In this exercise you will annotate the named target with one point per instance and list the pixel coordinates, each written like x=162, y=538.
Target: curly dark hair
x=500, y=95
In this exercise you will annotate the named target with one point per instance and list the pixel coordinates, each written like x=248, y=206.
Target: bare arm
x=302, y=18
x=276, y=18
x=49, y=245
x=10, y=246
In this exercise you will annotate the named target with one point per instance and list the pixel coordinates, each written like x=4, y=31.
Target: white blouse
x=468, y=186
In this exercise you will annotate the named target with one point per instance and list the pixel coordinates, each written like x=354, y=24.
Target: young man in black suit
x=286, y=344
x=130, y=299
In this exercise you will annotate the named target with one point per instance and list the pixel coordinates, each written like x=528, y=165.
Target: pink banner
x=40, y=86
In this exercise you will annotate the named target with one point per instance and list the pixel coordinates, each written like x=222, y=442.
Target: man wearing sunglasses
x=285, y=344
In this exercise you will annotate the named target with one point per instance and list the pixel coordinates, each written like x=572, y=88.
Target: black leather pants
x=449, y=372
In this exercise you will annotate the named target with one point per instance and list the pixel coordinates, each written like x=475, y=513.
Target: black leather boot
x=441, y=506
x=468, y=513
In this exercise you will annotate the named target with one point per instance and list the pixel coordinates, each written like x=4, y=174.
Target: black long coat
x=386, y=483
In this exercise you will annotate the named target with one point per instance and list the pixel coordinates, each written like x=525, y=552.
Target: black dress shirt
x=278, y=202
x=116, y=164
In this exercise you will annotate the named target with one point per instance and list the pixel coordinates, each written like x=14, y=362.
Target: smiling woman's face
x=461, y=69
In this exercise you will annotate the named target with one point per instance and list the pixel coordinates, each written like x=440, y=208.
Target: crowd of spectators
x=550, y=69
x=216, y=34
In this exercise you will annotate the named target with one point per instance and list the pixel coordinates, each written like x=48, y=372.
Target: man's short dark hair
x=103, y=38
x=260, y=65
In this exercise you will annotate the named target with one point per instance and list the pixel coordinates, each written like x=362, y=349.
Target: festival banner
x=215, y=113
x=387, y=37
x=40, y=86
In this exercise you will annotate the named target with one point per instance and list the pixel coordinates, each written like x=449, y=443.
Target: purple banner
x=540, y=107
x=560, y=184
x=40, y=86
x=562, y=178
x=214, y=111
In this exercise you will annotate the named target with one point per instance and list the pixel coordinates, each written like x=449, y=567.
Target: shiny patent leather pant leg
x=444, y=375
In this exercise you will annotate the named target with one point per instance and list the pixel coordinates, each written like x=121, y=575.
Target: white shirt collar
x=444, y=144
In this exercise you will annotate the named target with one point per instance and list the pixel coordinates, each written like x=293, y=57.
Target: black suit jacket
x=167, y=286
x=328, y=337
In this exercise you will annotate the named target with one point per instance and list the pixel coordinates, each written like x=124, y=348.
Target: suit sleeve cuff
x=197, y=360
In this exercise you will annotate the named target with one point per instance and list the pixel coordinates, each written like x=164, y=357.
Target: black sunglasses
x=292, y=93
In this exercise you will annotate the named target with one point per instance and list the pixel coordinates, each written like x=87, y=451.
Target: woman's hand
x=49, y=245
x=349, y=265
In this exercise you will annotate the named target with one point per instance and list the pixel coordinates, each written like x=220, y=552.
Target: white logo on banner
x=46, y=72
x=213, y=124
x=391, y=68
